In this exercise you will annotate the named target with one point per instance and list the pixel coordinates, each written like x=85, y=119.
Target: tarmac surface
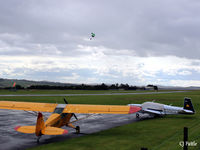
x=142, y=93
x=13, y=140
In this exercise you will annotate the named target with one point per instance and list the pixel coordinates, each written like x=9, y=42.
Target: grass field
x=155, y=134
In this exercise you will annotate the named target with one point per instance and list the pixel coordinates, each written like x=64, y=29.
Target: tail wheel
x=137, y=115
x=38, y=139
x=77, y=129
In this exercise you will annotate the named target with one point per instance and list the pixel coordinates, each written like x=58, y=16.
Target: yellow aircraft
x=61, y=115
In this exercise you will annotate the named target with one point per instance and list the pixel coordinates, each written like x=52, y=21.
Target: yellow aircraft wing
x=28, y=106
x=70, y=108
x=100, y=109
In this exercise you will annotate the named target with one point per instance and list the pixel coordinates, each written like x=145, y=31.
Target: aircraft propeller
x=66, y=102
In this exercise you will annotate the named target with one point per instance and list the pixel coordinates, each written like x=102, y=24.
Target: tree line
x=102, y=86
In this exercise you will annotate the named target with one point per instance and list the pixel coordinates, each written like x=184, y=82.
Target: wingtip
x=134, y=109
x=17, y=127
x=65, y=131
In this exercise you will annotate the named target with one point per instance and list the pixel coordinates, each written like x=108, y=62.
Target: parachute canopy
x=92, y=36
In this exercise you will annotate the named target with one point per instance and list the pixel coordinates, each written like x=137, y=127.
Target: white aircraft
x=157, y=109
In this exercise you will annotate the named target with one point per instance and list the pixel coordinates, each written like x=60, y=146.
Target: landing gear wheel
x=38, y=139
x=137, y=115
x=77, y=129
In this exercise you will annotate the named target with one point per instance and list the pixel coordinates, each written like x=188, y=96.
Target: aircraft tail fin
x=39, y=124
x=188, y=104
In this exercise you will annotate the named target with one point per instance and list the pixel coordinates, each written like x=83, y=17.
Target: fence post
x=185, y=138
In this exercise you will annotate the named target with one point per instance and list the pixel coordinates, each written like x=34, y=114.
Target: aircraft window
x=64, y=115
x=58, y=110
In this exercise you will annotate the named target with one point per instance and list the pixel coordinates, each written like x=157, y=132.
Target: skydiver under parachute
x=92, y=36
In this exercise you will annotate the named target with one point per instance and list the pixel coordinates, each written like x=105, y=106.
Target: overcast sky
x=137, y=42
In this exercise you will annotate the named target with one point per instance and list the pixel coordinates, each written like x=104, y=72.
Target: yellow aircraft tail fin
x=53, y=131
x=39, y=124
x=25, y=129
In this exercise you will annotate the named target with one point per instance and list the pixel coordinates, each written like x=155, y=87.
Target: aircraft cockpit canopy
x=59, y=108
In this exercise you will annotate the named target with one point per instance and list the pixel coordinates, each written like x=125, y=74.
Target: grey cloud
x=57, y=74
x=154, y=28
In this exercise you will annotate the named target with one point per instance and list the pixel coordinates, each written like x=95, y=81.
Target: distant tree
x=124, y=86
x=117, y=85
x=103, y=86
x=113, y=86
x=19, y=87
x=133, y=88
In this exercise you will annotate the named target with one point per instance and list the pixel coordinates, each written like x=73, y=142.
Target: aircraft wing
x=69, y=108
x=28, y=106
x=157, y=112
x=100, y=109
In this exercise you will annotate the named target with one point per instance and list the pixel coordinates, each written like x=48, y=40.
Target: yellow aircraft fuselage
x=59, y=120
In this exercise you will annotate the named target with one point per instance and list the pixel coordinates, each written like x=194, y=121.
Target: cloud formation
x=137, y=42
